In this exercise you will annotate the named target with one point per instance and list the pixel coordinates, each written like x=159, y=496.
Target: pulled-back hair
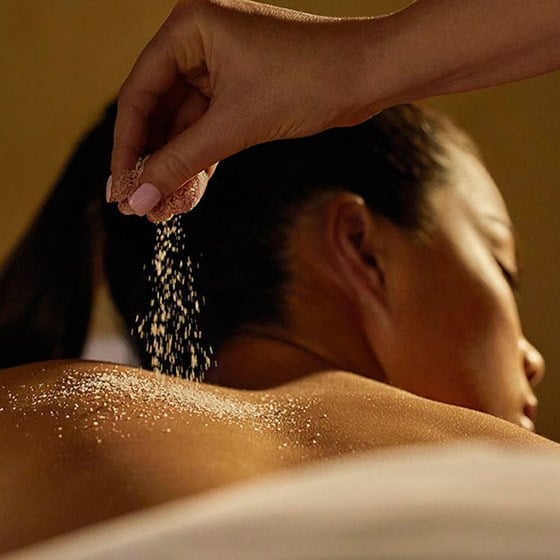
x=240, y=228
x=48, y=280
x=241, y=224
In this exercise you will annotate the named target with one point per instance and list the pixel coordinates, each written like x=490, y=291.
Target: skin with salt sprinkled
x=81, y=442
x=105, y=398
x=107, y=385
x=126, y=183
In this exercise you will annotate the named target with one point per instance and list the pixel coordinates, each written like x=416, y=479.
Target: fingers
x=157, y=105
x=184, y=199
x=188, y=105
x=125, y=183
x=155, y=74
x=151, y=187
x=162, y=118
x=124, y=208
x=174, y=178
x=193, y=105
x=197, y=148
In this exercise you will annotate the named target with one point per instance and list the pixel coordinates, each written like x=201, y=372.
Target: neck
x=258, y=360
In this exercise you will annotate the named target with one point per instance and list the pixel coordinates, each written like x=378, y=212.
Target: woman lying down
x=360, y=295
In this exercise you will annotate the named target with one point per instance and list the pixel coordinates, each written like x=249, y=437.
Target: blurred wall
x=63, y=60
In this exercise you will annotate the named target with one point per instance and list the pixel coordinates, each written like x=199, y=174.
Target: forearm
x=435, y=47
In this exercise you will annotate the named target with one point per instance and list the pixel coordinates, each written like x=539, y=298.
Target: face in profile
x=452, y=331
x=430, y=310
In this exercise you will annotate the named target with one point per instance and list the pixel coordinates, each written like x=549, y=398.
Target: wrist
x=386, y=65
x=400, y=64
x=360, y=63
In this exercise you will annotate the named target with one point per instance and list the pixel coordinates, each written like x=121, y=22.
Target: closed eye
x=512, y=278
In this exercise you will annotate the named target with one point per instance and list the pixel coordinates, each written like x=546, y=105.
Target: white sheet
x=109, y=348
x=425, y=502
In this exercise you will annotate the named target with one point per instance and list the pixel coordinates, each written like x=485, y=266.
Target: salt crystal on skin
x=112, y=385
x=174, y=342
x=127, y=181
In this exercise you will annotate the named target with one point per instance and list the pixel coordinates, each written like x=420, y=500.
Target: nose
x=533, y=362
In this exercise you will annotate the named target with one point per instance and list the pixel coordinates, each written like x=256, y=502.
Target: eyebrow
x=502, y=221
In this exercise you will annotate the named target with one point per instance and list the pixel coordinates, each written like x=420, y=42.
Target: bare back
x=82, y=441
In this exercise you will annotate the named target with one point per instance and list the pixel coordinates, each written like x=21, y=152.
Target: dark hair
x=47, y=282
x=240, y=226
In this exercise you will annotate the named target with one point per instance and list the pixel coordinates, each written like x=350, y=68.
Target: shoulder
x=63, y=403
x=376, y=415
x=70, y=430
x=80, y=387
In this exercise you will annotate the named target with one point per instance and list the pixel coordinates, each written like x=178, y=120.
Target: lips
x=529, y=417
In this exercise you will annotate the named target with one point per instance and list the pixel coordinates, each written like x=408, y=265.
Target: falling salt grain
x=170, y=327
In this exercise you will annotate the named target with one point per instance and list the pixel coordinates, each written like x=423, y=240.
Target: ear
x=354, y=239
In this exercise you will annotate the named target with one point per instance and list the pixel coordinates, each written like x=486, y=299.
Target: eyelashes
x=512, y=278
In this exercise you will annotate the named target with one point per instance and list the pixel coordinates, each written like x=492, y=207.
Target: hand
x=224, y=75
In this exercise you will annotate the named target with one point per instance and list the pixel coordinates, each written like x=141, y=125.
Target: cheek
x=453, y=334
x=489, y=359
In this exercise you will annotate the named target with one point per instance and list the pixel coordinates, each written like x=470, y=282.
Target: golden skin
x=143, y=453
x=430, y=313
x=377, y=314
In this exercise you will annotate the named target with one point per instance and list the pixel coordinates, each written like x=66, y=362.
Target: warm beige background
x=61, y=61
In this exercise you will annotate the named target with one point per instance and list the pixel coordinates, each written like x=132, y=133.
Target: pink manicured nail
x=144, y=198
x=108, y=188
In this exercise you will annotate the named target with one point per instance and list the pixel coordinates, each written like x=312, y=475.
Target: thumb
x=180, y=163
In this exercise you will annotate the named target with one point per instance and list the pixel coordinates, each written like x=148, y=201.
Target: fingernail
x=144, y=198
x=108, y=188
